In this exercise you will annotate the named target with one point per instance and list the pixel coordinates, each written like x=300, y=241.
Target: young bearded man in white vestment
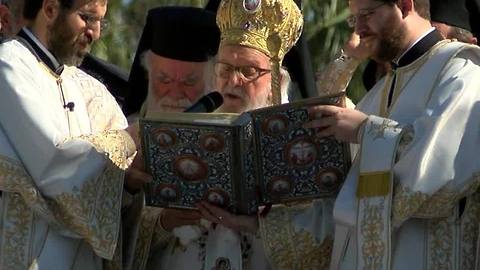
x=64, y=145
x=410, y=200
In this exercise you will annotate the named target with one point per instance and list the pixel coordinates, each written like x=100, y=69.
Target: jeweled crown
x=270, y=26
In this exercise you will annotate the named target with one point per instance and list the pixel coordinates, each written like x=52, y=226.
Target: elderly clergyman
x=168, y=73
x=255, y=35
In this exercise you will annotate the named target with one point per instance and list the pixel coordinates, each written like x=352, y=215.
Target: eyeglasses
x=363, y=14
x=248, y=73
x=91, y=21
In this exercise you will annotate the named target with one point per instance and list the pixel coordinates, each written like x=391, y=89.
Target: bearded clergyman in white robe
x=410, y=200
x=63, y=147
x=244, y=72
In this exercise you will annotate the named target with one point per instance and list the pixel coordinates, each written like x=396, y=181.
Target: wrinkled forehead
x=242, y=56
x=157, y=63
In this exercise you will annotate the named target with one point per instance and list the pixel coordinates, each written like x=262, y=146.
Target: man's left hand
x=342, y=123
x=239, y=223
x=135, y=176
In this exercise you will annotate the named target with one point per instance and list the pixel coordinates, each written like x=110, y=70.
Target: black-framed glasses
x=248, y=73
x=92, y=21
x=363, y=14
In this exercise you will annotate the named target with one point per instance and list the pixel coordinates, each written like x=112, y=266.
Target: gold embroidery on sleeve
x=288, y=249
x=150, y=235
x=16, y=233
x=441, y=253
x=91, y=211
x=407, y=203
x=470, y=221
x=114, y=144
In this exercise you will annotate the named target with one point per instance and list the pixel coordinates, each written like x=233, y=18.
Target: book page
x=200, y=118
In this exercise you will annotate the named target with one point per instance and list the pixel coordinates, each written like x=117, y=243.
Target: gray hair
x=144, y=60
x=460, y=34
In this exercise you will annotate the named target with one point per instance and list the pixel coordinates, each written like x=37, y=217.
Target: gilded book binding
x=241, y=161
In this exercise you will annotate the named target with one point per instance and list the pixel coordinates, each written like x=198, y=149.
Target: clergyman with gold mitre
x=248, y=72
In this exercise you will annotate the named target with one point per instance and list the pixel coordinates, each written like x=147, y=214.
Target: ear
x=474, y=41
x=50, y=9
x=405, y=6
x=5, y=17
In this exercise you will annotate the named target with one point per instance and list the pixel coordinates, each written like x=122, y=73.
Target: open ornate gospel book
x=241, y=161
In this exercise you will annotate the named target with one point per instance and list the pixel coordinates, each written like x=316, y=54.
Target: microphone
x=70, y=106
x=207, y=103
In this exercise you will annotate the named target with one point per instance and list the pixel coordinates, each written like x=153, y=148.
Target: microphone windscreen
x=207, y=103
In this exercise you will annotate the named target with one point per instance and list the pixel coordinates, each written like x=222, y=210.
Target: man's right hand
x=357, y=48
x=173, y=218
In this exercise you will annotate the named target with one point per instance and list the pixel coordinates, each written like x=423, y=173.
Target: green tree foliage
x=325, y=30
x=125, y=23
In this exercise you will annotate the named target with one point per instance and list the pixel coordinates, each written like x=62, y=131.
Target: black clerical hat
x=212, y=5
x=473, y=7
x=184, y=33
x=451, y=12
x=181, y=33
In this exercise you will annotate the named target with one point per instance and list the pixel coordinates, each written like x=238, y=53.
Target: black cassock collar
x=33, y=44
x=419, y=49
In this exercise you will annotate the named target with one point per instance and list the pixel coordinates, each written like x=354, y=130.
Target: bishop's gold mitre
x=270, y=26
x=256, y=23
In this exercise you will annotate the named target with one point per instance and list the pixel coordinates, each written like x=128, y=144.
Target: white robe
x=61, y=172
x=194, y=247
x=399, y=208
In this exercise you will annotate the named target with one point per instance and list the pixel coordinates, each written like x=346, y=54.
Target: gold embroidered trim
x=407, y=203
x=114, y=144
x=92, y=211
x=371, y=227
x=288, y=249
x=150, y=234
x=16, y=232
x=373, y=184
x=469, y=232
x=441, y=252
x=103, y=111
x=448, y=238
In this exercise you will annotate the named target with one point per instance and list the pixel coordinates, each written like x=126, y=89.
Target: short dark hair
x=31, y=8
x=422, y=7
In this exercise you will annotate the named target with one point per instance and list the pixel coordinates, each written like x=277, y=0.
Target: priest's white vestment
x=411, y=199
x=61, y=169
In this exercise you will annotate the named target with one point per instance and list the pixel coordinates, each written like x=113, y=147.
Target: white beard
x=260, y=101
x=167, y=104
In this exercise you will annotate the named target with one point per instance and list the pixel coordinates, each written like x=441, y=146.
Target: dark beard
x=390, y=45
x=64, y=43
